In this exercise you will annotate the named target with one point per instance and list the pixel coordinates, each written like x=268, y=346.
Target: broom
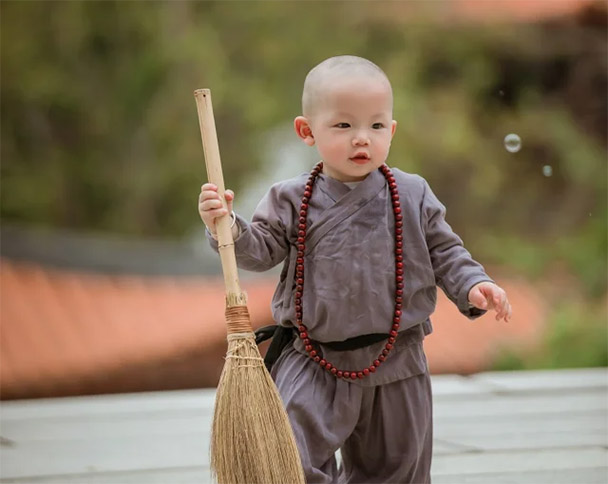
x=251, y=440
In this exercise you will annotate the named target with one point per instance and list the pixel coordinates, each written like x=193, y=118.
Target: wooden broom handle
x=215, y=176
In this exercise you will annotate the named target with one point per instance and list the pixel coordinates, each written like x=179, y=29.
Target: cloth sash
x=282, y=336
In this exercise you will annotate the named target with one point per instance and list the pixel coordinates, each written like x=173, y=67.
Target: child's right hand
x=210, y=205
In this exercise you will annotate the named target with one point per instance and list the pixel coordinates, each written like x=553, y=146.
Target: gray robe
x=383, y=423
x=349, y=279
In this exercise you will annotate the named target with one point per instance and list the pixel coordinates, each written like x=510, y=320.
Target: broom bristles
x=252, y=441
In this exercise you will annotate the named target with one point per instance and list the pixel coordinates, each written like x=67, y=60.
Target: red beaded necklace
x=299, y=277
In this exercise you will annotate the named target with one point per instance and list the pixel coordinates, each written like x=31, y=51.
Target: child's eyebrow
x=345, y=114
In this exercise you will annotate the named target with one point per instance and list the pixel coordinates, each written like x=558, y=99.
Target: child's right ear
x=303, y=130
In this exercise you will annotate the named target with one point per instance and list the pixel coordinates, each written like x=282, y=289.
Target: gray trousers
x=384, y=432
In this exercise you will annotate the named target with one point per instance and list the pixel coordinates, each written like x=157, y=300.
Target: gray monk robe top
x=349, y=278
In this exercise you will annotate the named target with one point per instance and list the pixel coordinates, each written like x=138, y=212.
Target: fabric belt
x=282, y=336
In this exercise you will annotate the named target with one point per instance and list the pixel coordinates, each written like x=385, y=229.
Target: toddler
x=363, y=248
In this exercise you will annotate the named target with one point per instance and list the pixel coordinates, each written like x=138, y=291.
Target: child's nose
x=361, y=139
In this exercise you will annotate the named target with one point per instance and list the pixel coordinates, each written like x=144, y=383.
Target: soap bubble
x=512, y=143
x=547, y=170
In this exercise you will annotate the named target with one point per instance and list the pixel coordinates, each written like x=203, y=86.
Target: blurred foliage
x=99, y=127
x=576, y=338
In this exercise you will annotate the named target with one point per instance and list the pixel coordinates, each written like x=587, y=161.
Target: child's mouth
x=360, y=159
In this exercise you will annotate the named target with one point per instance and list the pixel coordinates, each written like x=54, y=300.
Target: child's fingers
x=504, y=311
x=477, y=299
x=209, y=187
x=215, y=213
x=507, y=311
x=210, y=204
x=208, y=195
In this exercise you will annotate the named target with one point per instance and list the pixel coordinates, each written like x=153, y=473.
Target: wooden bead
x=317, y=359
x=372, y=368
x=346, y=374
x=340, y=374
x=303, y=335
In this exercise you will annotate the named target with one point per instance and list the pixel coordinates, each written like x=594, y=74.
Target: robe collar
x=335, y=189
x=347, y=202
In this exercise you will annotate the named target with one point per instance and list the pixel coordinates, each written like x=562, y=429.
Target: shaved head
x=319, y=78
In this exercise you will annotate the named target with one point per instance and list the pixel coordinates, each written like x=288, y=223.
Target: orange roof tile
x=63, y=327
x=520, y=10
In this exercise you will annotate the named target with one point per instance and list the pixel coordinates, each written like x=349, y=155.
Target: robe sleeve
x=456, y=272
x=263, y=243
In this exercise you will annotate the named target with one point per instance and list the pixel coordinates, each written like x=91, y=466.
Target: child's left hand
x=487, y=295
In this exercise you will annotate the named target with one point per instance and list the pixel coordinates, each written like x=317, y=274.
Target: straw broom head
x=251, y=441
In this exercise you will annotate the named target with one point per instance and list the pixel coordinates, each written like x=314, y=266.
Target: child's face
x=352, y=127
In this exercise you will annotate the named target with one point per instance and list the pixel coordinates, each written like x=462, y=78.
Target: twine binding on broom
x=250, y=423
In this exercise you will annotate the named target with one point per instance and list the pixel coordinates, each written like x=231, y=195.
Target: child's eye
x=377, y=125
x=342, y=125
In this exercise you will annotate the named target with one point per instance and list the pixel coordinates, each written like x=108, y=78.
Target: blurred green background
x=100, y=134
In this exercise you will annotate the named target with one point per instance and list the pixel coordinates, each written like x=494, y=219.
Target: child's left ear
x=303, y=130
x=393, y=127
